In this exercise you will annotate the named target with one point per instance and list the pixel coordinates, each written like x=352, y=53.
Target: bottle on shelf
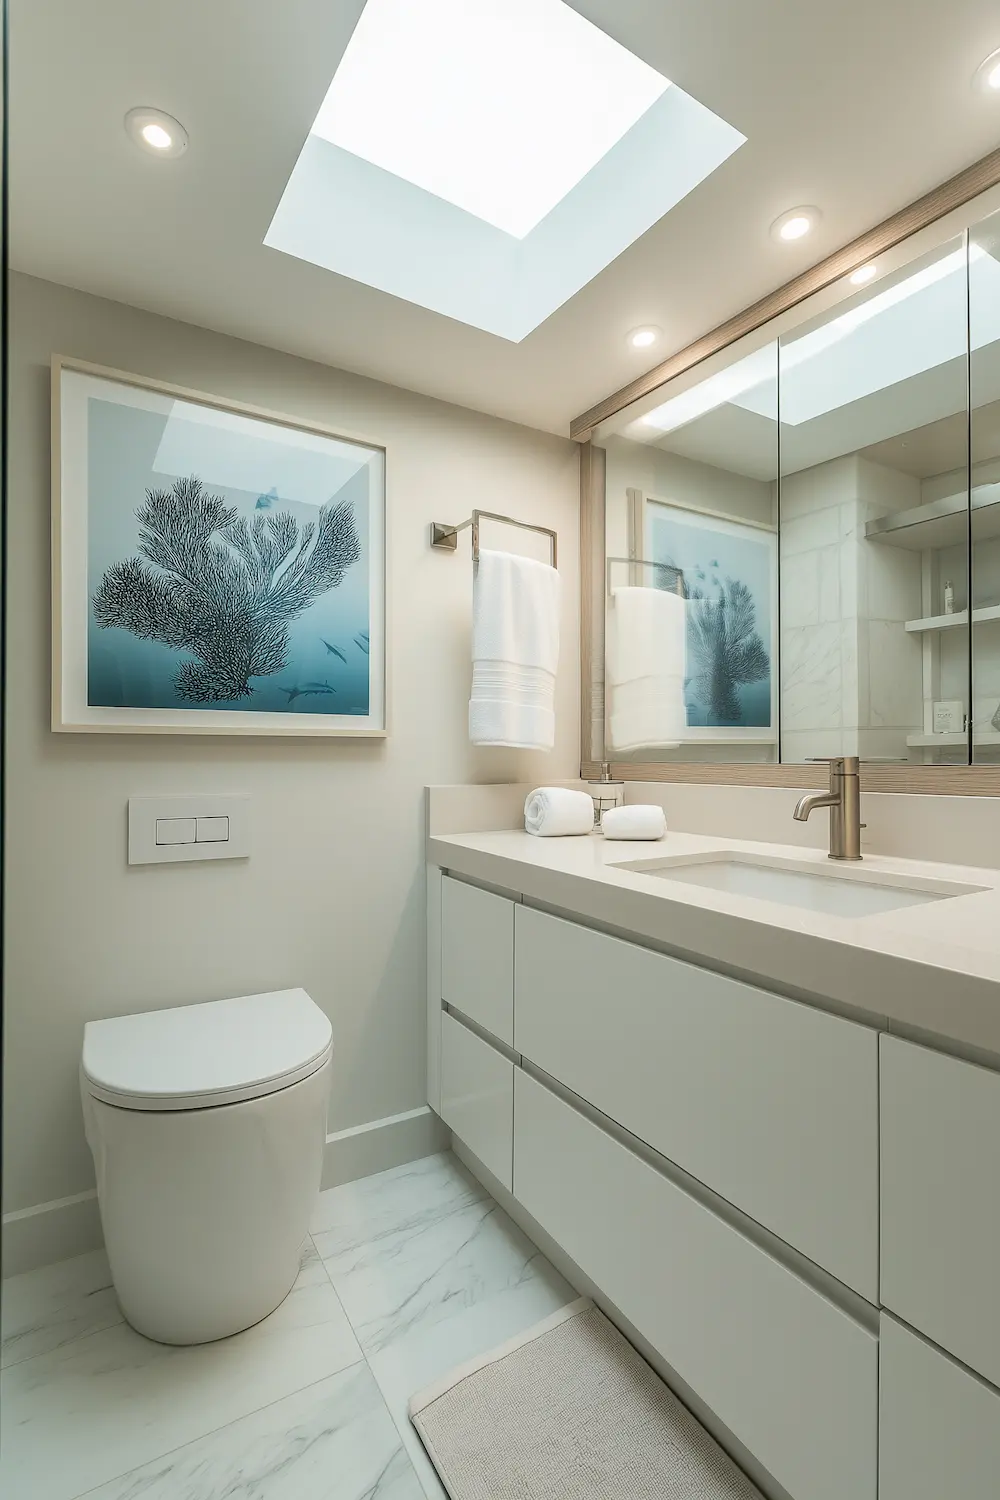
x=949, y=598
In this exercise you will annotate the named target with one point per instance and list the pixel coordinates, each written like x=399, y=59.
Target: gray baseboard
x=49, y=1232
x=365, y=1149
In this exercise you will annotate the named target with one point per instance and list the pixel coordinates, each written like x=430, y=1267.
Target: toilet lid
x=196, y=1056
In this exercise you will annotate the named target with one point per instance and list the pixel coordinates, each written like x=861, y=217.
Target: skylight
x=497, y=106
x=487, y=158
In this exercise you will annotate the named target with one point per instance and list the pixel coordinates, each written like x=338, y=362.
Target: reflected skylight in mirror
x=889, y=337
x=497, y=106
x=728, y=386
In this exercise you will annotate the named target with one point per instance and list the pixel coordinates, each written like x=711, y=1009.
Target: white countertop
x=932, y=968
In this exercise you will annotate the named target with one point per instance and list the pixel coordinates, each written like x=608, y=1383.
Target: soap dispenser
x=606, y=793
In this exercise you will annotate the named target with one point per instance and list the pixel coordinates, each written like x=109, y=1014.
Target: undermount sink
x=853, y=892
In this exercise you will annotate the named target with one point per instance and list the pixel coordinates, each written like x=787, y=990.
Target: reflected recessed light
x=863, y=274
x=987, y=75
x=795, y=224
x=156, y=132
x=644, y=338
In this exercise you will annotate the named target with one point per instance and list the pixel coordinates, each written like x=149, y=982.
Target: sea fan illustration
x=221, y=588
x=725, y=648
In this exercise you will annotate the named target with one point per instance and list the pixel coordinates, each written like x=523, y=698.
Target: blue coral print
x=205, y=593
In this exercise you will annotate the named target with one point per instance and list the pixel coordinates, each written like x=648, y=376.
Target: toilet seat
x=202, y=1056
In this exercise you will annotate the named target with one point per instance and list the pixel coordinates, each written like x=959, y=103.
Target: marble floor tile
x=44, y=1309
x=333, y=1441
x=428, y=1353
x=107, y=1403
x=403, y=1198
x=427, y=1260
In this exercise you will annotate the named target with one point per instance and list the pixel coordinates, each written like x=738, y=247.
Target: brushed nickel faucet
x=844, y=801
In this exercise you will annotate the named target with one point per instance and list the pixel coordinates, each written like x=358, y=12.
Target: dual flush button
x=192, y=831
x=167, y=830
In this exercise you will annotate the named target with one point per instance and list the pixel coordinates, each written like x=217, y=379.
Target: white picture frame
x=267, y=605
x=726, y=531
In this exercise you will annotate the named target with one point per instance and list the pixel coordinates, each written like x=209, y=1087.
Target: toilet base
x=205, y=1211
x=181, y=1330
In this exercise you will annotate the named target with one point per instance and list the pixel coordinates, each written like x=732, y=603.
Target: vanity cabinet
x=800, y=1215
x=941, y=1200
x=939, y=1426
x=477, y=956
x=477, y=1096
x=791, y=1374
x=770, y=1103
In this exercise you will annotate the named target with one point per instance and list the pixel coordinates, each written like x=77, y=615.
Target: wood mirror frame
x=970, y=780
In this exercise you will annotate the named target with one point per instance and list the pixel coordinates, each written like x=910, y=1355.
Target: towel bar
x=672, y=577
x=446, y=537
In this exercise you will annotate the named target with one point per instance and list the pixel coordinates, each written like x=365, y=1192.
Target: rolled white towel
x=636, y=822
x=553, y=811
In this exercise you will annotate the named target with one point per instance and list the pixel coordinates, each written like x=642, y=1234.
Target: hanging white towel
x=515, y=652
x=647, y=642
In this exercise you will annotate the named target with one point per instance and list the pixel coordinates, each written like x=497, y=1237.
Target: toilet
x=207, y=1125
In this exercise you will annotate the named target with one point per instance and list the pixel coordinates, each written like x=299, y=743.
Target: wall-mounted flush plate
x=166, y=830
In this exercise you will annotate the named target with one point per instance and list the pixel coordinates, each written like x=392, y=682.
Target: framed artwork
x=217, y=569
x=730, y=570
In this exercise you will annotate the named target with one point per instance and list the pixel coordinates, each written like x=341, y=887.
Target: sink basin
x=850, y=892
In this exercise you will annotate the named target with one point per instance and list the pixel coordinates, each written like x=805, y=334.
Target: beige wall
x=332, y=897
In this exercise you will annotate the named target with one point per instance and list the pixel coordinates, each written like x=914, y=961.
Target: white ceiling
x=854, y=106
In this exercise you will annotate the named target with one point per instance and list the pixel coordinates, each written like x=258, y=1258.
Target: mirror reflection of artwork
x=729, y=577
x=221, y=571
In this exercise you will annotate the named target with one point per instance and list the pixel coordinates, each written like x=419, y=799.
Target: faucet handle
x=850, y=763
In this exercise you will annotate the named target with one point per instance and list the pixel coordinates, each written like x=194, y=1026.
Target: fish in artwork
x=334, y=650
x=308, y=690
x=362, y=643
x=264, y=502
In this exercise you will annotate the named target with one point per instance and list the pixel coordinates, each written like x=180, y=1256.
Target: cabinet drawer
x=791, y=1375
x=477, y=956
x=941, y=1200
x=939, y=1426
x=477, y=1096
x=770, y=1103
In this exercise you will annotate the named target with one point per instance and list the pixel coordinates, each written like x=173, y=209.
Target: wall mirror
x=800, y=549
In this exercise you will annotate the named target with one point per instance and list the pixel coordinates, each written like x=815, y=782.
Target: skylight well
x=487, y=158
x=497, y=106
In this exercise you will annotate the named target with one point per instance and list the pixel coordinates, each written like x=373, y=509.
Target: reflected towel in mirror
x=646, y=647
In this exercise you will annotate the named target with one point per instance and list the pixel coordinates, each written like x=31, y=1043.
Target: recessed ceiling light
x=500, y=108
x=863, y=274
x=987, y=75
x=644, y=338
x=156, y=132
x=795, y=224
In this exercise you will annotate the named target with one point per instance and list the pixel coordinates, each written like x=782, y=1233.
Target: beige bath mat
x=569, y=1411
